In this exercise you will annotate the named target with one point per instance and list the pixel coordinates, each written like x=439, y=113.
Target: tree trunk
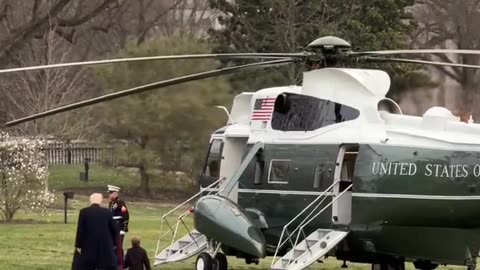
x=144, y=180
x=9, y=216
x=9, y=212
x=441, y=96
x=466, y=107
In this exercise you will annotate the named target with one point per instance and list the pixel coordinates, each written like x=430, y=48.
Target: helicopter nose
x=224, y=221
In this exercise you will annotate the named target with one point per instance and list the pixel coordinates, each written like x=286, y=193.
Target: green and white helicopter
x=322, y=169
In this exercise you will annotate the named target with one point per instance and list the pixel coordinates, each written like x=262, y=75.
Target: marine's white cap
x=113, y=188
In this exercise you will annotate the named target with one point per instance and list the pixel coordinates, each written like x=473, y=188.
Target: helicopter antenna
x=226, y=111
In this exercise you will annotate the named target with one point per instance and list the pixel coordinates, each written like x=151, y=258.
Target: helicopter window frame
x=285, y=175
x=259, y=167
x=297, y=112
x=318, y=174
x=206, y=170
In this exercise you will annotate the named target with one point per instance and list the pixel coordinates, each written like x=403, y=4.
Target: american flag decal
x=263, y=108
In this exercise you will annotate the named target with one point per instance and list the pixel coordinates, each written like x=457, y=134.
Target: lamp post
x=67, y=195
x=86, y=168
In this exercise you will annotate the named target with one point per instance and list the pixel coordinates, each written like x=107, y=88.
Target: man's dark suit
x=96, y=235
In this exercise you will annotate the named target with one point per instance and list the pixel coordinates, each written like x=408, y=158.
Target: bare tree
x=22, y=21
x=137, y=21
x=452, y=24
x=41, y=32
x=52, y=31
x=29, y=92
x=193, y=17
x=97, y=27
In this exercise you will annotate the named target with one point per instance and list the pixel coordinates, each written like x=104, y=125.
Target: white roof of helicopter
x=351, y=87
x=363, y=90
x=239, y=125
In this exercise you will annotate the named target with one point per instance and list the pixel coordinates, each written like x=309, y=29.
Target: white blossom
x=23, y=176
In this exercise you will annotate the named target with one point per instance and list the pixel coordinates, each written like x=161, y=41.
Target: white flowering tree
x=23, y=176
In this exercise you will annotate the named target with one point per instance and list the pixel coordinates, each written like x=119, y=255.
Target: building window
x=278, y=172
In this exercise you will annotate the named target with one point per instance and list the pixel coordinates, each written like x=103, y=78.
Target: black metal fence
x=77, y=153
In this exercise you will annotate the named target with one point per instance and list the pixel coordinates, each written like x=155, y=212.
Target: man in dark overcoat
x=96, y=237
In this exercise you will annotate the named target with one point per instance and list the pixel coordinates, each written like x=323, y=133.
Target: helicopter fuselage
x=404, y=201
x=410, y=184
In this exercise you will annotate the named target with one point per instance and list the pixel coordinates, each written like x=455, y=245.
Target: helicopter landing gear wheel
x=471, y=263
x=221, y=262
x=424, y=265
x=204, y=262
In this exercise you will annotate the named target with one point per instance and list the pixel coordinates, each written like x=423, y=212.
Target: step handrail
x=302, y=227
x=285, y=228
x=322, y=195
x=173, y=230
x=224, y=191
x=193, y=197
x=329, y=204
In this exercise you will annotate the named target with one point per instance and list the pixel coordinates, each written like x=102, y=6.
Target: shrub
x=23, y=176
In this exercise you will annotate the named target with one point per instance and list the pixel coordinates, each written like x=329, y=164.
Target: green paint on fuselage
x=402, y=170
x=380, y=225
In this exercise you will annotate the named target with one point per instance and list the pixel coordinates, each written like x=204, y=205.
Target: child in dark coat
x=136, y=257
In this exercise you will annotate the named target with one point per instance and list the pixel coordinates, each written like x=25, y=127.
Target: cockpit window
x=293, y=112
x=214, y=158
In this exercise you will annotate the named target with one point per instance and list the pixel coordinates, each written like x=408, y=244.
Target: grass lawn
x=63, y=177
x=46, y=243
x=67, y=178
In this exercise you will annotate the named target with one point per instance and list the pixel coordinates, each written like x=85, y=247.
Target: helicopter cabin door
x=344, y=169
x=233, y=150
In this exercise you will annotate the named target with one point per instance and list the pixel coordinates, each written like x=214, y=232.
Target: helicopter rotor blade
x=416, y=51
x=151, y=86
x=413, y=61
x=164, y=57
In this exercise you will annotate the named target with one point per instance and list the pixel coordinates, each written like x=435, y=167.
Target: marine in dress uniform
x=120, y=216
x=95, y=238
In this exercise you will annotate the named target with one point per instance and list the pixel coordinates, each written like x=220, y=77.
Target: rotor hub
x=328, y=51
x=329, y=42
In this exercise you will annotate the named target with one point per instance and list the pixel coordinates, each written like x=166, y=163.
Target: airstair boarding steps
x=189, y=245
x=312, y=248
